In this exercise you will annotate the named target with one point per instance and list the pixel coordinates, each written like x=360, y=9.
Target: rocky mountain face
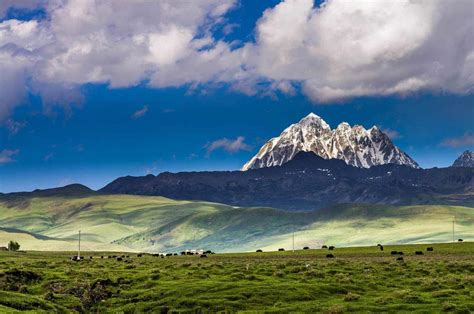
x=309, y=182
x=465, y=160
x=355, y=145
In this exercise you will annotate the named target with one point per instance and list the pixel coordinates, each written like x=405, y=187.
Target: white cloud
x=338, y=50
x=358, y=48
x=6, y=155
x=120, y=43
x=230, y=146
x=140, y=113
x=467, y=140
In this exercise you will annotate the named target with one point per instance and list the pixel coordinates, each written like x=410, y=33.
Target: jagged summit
x=465, y=160
x=355, y=145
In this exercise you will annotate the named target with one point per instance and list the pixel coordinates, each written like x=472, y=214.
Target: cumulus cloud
x=120, y=43
x=6, y=155
x=230, y=146
x=140, y=113
x=337, y=50
x=467, y=140
x=357, y=48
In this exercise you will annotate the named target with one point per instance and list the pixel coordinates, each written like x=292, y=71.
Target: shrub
x=351, y=297
x=13, y=246
x=447, y=306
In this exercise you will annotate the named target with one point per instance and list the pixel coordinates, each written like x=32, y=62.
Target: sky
x=94, y=90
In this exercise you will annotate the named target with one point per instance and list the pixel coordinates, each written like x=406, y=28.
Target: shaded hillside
x=157, y=224
x=309, y=182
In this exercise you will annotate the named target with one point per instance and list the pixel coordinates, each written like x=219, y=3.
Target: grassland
x=362, y=279
x=142, y=223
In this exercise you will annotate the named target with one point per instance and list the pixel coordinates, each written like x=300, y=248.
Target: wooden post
x=453, y=229
x=79, y=247
x=293, y=242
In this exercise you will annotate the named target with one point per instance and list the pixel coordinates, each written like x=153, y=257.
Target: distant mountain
x=354, y=145
x=465, y=160
x=67, y=190
x=309, y=182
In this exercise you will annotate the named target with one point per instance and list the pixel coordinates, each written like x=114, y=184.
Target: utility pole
x=293, y=242
x=79, y=247
x=453, y=229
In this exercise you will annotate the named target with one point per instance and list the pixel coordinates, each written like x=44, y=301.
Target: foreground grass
x=357, y=279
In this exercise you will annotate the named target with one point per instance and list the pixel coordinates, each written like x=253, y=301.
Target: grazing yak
x=400, y=259
x=418, y=253
x=331, y=248
x=259, y=251
x=306, y=248
x=281, y=249
x=203, y=255
x=324, y=247
x=429, y=249
x=329, y=256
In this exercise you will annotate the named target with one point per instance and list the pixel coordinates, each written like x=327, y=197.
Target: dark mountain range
x=309, y=182
x=67, y=190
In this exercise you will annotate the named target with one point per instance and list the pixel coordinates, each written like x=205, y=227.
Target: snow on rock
x=355, y=145
x=465, y=160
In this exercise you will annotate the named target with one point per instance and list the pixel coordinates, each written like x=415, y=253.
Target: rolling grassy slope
x=143, y=223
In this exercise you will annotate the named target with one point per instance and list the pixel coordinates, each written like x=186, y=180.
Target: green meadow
x=156, y=224
x=357, y=279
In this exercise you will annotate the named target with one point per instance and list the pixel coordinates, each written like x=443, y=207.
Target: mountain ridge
x=308, y=182
x=355, y=145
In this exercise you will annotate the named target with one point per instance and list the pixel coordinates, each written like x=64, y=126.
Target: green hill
x=142, y=223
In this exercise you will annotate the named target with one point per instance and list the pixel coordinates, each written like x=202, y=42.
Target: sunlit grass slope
x=143, y=223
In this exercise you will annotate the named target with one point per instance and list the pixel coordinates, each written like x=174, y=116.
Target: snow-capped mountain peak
x=355, y=145
x=465, y=160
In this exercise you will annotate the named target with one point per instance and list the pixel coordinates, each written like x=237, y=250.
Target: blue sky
x=63, y=121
